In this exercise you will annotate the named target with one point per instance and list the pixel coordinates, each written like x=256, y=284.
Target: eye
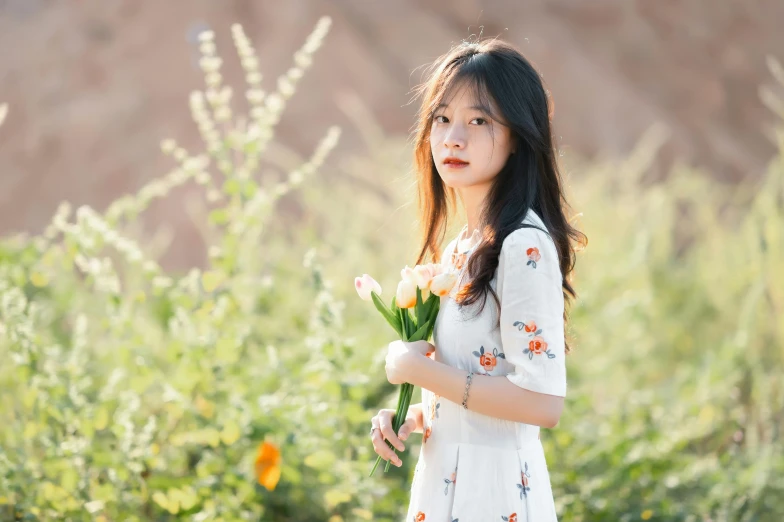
x=480, y=119
x=435, y=119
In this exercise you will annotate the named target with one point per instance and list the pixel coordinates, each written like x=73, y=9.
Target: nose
x=454, y=137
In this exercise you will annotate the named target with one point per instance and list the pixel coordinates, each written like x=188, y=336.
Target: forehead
x=466, y=94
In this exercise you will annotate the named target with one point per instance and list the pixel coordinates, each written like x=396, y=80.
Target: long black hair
x=496, y=71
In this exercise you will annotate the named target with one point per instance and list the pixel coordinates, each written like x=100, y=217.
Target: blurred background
x=193, y=350
x=95, y=86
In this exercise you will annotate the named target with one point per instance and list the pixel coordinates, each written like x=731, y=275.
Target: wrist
x=415, y=368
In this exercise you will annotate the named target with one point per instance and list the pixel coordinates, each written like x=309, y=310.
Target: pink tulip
x=365, y=285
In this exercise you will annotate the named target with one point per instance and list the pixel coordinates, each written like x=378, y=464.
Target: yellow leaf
x=205, y=407
x=335, y=518
x=30, y=430
x=39, y=279
x=212, y=436
x=155, y=448
x=320, y=459
x=160, y=499
x=334, y=497
x=364, y=514
x=211, y=280
x=101, y=419
x=231, y=433
x=647, y=514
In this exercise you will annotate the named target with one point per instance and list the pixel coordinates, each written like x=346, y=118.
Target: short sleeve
x=532, y=306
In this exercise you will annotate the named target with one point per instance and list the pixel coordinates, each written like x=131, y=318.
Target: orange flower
x=419, y=517
x=426, y=434
x=537, y=345
x=268, y=465
x=525, y=480
x=488, y=361
x=530, y=326
x=533, y=254
x=513, y=517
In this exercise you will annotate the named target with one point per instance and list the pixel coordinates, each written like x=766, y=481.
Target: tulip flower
x=406, y=294
x=443, y=283
x=407, y=274
x=412, y=314
x=365, y=285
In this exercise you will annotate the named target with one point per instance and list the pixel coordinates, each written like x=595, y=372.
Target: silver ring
x=371, y=430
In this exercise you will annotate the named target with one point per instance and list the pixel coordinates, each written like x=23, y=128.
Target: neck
x=473, y=199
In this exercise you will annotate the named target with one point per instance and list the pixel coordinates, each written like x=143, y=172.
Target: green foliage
x=129, y=393
x=676, y=400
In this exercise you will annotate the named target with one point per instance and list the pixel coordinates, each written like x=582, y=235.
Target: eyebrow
x=482, y=108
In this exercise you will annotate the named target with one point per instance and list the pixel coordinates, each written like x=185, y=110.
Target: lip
x=455, y=163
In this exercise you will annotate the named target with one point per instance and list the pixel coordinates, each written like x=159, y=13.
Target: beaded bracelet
x=468, y=385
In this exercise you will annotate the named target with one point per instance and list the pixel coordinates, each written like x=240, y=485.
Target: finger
x=389, y=434
x=407, y=428
x=383, y=449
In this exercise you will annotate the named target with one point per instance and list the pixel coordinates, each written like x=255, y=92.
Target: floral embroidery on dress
x=434, y=406
x=450, y=480
x=523, y=485
x=426, y=434
x=533, y=256
x=488, y=360
x=510, y=518
x=537, y=345
x=419, y=517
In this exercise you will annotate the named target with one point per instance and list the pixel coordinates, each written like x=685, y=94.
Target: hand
x=383, y=420
x=402, y=356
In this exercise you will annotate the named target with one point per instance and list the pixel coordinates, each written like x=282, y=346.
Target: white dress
x=477, y=468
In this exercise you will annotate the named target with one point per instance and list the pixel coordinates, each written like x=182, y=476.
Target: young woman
x=498, y=372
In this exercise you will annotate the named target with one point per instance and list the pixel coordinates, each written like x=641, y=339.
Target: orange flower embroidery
x=523, y=485
x=510, y=518
x=426, y=434
x=419, y=517
x=537, y=345
x=268, y=465
x=450, y=480
x=533, y=256
x=488, y=360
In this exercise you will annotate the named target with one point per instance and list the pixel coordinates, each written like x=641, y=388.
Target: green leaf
x=388, y=315
x=420, y=334
x=419, y=308
x=232, y=187
x=219, y=216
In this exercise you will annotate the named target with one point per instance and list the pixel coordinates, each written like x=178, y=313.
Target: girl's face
x=469, y=147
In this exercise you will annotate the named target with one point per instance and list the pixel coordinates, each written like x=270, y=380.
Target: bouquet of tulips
x=412, y=313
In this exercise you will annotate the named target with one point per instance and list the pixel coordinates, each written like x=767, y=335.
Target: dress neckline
x=458, y=258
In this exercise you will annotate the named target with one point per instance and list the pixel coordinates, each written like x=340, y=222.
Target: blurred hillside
x=93, y=86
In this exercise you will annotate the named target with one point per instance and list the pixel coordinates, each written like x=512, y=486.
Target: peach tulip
x=423, y=275
x=443, y=283
x=365, y=285
x=406, y=294
x=407, y=273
